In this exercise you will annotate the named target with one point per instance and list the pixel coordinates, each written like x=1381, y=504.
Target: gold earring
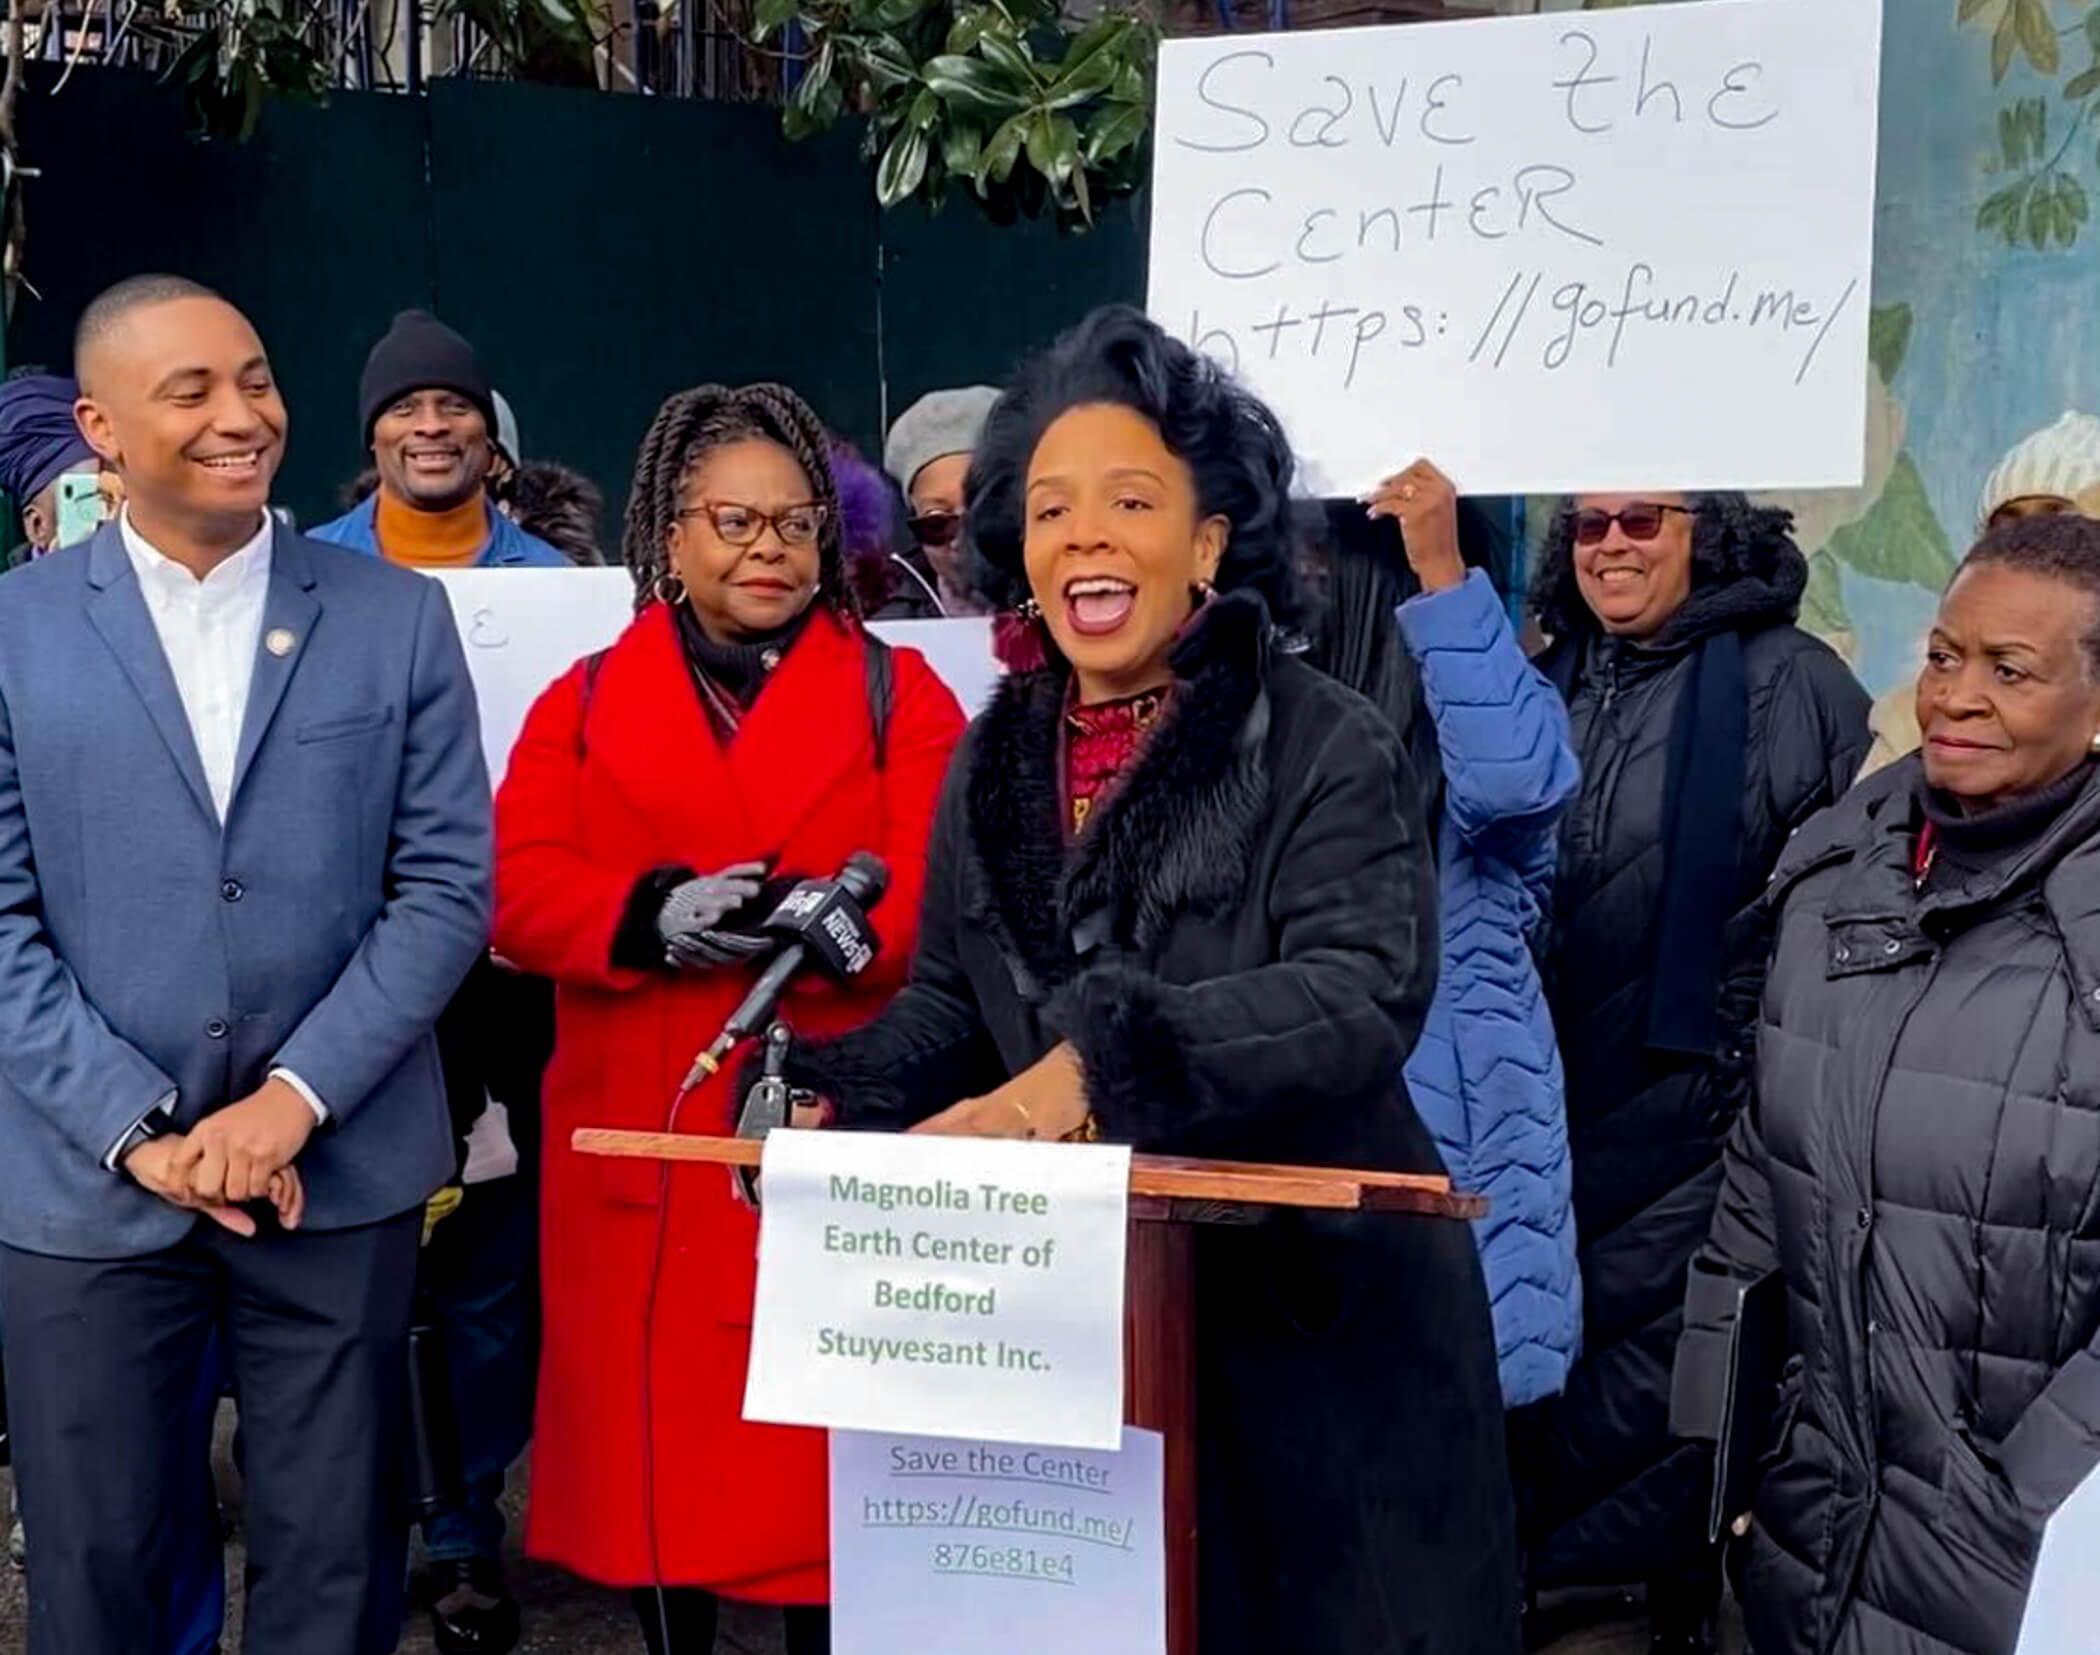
x=2096, y=742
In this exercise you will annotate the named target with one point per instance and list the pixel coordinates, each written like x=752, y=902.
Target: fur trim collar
x=1176, y=836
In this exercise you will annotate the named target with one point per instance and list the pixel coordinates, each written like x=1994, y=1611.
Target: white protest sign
x=2063, y=1605
x=1613, y=250
x=524, y=628
x=956, y=1548
x=941, y=1286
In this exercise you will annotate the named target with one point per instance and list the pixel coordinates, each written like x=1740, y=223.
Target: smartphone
x=82, y=507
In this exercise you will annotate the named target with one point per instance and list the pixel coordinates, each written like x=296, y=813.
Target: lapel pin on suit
x=280, y=642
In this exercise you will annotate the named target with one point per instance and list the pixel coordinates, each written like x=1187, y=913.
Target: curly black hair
x=1228, y=438
x=1732, y=539
x=2064, y=548
x=696, y=423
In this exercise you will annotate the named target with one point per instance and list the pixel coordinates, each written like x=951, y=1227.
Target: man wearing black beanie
x=428, y=415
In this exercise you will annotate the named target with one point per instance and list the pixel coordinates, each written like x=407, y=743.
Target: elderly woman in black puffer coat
x=1923, y=1157
x=1709, y=727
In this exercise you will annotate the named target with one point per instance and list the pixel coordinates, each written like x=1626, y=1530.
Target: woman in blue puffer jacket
x=1486, y=1076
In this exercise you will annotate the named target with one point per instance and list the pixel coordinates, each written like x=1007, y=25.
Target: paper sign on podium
x=954, y=1548
x=941, y=1286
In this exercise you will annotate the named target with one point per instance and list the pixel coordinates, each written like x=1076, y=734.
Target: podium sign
x=954, y=1548
x=950, y=1286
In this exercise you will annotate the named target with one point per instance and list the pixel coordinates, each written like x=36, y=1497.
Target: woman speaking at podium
x=744, y=724
x=1180, y=895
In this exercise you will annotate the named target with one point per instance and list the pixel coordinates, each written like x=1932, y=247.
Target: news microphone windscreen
x=867, y=876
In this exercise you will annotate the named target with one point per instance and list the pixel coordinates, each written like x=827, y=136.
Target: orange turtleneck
x=432, y=539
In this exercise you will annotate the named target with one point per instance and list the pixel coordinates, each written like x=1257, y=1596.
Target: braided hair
x=698, y=422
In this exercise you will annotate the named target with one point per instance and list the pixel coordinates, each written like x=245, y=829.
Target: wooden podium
x=1167, y=1197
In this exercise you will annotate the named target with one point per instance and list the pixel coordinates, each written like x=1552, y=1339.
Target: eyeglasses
x=936, y=529
x=1642, y=521
x=746, y=525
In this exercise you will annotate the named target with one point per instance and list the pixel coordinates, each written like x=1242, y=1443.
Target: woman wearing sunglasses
x=1709, y=727
x=745, y=730
x=929, y=455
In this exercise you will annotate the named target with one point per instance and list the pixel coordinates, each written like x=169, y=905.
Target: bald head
x=106, y=314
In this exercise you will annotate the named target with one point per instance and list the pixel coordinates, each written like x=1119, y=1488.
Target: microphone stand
x=768, y=1106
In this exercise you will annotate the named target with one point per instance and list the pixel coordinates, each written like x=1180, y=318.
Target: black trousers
x=113, y=1462
x=690, y=1615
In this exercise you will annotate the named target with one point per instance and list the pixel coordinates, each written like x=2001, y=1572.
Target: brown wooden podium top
x=1163, y=1185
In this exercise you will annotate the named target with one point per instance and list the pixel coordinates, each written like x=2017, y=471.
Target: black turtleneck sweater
x=728, y=676
x=1974, y=844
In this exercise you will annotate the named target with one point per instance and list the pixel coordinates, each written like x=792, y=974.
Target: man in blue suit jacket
x=244, y=852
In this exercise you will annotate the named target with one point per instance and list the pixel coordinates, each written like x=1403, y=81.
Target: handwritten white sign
x=956, y=1548
x=524, y=628
x=950, y=1286
x=1610, y=250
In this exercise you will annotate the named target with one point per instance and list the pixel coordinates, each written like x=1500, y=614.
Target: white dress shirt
x=209, y=631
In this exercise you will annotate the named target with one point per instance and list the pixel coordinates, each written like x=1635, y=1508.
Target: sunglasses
x=937, y=530
x=1642, y=521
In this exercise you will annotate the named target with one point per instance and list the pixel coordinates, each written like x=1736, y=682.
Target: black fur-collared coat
x=1241, y=947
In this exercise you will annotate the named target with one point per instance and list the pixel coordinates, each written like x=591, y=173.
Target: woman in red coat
x=743, y=727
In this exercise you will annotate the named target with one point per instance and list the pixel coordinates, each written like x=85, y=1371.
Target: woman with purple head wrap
x=39, y=443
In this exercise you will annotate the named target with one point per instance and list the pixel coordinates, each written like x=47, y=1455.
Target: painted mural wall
x=1987, y=306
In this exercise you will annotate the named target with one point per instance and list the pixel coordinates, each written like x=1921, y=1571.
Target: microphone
x=821, y=919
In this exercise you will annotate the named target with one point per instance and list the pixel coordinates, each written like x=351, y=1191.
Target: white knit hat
x=2059, y=463
x=938, y=424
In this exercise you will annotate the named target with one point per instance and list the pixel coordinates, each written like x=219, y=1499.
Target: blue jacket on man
x=147, y=951
x=509, y=547
x=1486, y=1076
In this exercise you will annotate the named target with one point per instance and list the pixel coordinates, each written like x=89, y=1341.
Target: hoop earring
x=1202, y=591
x=668, y=589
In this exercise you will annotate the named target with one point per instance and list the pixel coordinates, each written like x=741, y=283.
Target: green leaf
x=1097, y=39
x=769, y=16
x=2092, y=30
x=2003, y=210
x=970, y=85
x=1042, y=143
x=2037, y=35
x=903, y=167
x=962, y=143
x=1117, y=128
x=1010, y=59
x=2084, y=84
x=2071, y=190
x=997, y=162
x=1972, y=9
x=1089, y=80
x=1888, y=339
x=1823, y=604
x=965, y=32
x=887, y=63
x=2041, y=212
x=892, y=14
x=925, y=109
x=2002, y=47
x=1900, y=538
x=2012, y=138
x=2036, y=113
